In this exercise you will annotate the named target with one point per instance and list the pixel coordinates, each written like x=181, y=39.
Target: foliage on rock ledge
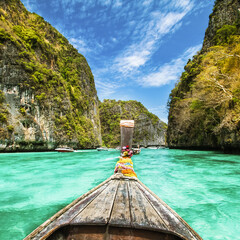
x=57, y=75
x=112, y=111
x=204, y=106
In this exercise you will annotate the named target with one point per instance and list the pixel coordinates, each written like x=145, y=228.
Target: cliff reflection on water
x=202, y=187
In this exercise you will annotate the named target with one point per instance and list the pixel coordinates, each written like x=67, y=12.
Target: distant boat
x=64, y=149
x=136, y=151
x=102, y=149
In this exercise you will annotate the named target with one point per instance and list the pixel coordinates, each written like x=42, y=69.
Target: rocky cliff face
x=148, y=130
x=204, y=107
x=47, y=91
x=225, y=12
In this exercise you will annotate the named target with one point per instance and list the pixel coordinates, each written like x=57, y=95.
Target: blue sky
x=137, y=49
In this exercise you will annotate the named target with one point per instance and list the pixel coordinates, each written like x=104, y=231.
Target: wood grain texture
x=99, y=210
x=121, y=213
x=143, y=215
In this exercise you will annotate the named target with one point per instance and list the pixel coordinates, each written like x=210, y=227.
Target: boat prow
x=119, y=208
x=136, y=151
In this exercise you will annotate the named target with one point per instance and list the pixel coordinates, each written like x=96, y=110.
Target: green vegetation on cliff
x=111, y=112
x=204, y=107
x=53, y=72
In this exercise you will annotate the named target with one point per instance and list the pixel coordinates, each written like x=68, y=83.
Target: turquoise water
x=202, y=187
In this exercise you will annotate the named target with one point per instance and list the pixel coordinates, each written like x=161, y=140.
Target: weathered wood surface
x=120, y=214
x=119, y=202
x=143, y=215
x=99, y=210
x=126, y=137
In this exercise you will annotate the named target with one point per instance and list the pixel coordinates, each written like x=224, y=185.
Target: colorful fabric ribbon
x=125, y=166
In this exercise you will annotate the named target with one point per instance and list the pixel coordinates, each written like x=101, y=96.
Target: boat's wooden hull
x=109, y=232
x=119, y=208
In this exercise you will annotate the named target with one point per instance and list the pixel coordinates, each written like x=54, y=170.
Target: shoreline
x=190, y=148
x=226, y=150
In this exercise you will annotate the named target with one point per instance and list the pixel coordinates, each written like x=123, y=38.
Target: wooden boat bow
x=119, y=208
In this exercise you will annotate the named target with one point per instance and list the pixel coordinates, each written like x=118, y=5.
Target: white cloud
x=31, y=5
x=117, y=3
x=147, y=2
x=80, y=45
x=132, y=61
x=106, y=88
x=144, y=32
x=170, y=71
x=182, y=3
x=114, y=39
x=168, y=21
x=105, y=2
x=77, y=41
x=148, y=36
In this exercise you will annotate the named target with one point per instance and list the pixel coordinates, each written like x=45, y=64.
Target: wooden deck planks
x=99, y=210
x=143, y=215
x=120, y=214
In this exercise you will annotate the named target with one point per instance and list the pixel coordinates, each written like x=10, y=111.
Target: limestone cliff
x=225, y=12
x=148, y=130
x=204, y=107
x=47, y=91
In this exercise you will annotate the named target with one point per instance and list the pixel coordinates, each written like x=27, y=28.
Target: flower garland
x=125, y=164
x=126, y=152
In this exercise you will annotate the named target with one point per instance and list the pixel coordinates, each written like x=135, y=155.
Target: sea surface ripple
x=203, y=187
